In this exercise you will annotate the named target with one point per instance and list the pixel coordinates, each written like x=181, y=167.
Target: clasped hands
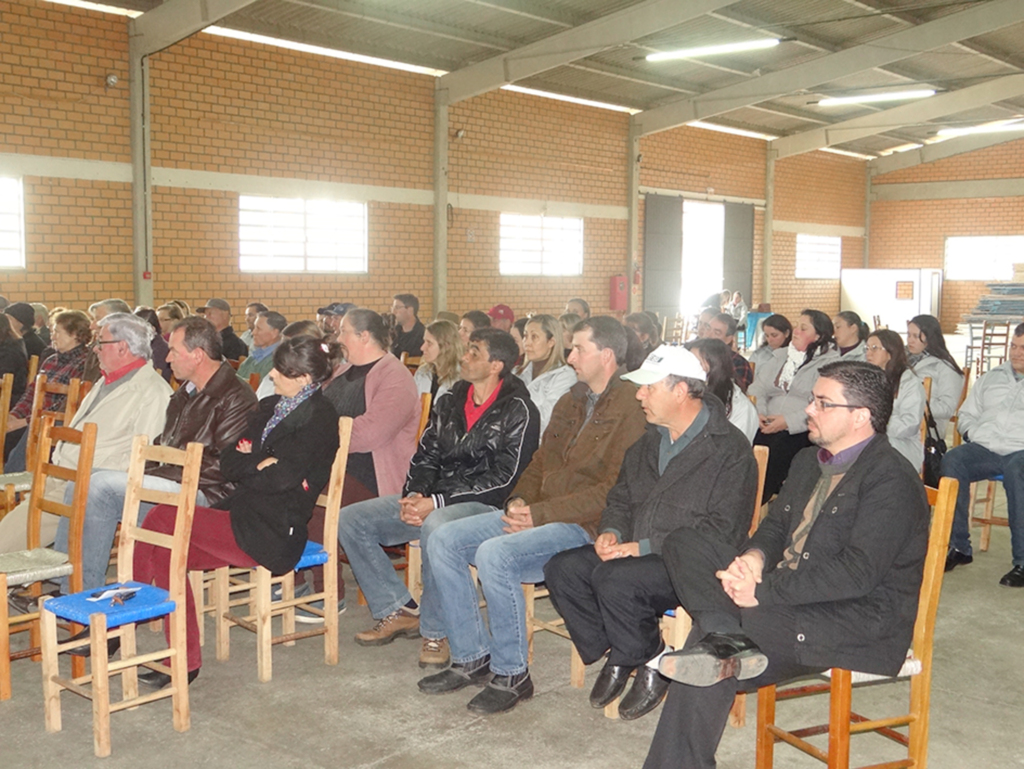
x=608, y=547
x=244, y=446
x=741, y=578
x=414, y=508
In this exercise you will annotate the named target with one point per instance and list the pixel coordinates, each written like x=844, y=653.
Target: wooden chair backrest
x=425, y=400
x=943, y=501
x=957, y=438
x=411, y=362
x=236, y=363
x=75, y=390
x=33, y=367
x=761, y=457
x=331, y=501
x=43, y=469
x=254, y=381
x=184, y=500
x=928, y=399
x=6, y=388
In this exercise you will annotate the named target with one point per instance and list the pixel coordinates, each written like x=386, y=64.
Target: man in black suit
x=830, y=578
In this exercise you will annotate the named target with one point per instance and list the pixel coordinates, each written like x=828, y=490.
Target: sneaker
x=309, y=618
x=401, y=623
x=301, y=590
x=435, y=653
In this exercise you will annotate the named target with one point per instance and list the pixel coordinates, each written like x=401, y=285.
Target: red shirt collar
x=113, y=376
x=474, y=412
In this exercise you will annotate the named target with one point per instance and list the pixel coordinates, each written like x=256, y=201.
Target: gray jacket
x=946, y=388
x=772, y=399
x=993, y=414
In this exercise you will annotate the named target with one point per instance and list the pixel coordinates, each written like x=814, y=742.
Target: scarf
x=794, y=360
x=286, y=406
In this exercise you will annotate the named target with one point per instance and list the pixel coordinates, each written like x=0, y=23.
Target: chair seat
x=911, y=667
x=20, y=481
x=24, y=567
x=313, y=555
x=149, y=603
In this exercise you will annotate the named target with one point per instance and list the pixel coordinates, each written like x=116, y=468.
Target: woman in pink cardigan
x=377, y=391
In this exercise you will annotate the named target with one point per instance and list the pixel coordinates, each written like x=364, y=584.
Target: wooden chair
x=957, y=438
x=989, y=518
x=973, y=351
x=995, y=344
x=411, y=362
x=13, y=484
x=254, y=381
x=148, y=603
x=33, y=367
x=236, y=363
x=927, y=398
x=843, y=722
x=256, y=593
x=676, y=624
x=6, y=387
x=577, y=670
x=28, y=568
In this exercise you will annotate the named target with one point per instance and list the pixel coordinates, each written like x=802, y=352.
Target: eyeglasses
x=874, y=347
x=101, y=342
x=823, y=405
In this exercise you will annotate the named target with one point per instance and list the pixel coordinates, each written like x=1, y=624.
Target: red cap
x=502, y=312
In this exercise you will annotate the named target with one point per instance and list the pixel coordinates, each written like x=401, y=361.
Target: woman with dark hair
x=168, y=314
x=158, y=344
x=783, y=386
x=644, y=327
x=929, y=357
x=280, y=466
x=885, y=349
x=69, y=337
x=13, y=359
x=517, y=331
x=777, y=331
x=716, y=359
x=851, y=333
x=544, y=370
x=635, y=353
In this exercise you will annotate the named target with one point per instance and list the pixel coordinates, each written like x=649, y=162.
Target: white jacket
x=546, y=389
x=993, y=414
x=743, y=415
x=772, y=399
x=946, y=388
x=857, y=353
x=904, y=429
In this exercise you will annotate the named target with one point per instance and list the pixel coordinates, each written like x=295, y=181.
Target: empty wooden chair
x=28, y=568
x=843, y=722
x=256, y=592
x=119, y=614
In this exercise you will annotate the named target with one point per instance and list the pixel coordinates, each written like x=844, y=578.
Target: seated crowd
x=570, y=449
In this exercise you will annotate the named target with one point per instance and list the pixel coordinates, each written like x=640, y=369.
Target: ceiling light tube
x=714, y=50
x=922, y=93
x=982, y=129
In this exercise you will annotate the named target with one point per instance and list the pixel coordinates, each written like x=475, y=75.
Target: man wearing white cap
x=691, y=469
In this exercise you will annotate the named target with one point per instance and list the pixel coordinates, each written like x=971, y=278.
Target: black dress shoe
x=113, y=645
x=955, y=558
x=159, y=680
x=23, y=603
x=611, y=682
x=645, y=695
x=458, y=676
x=1013, y=578
x=502, y=694
x=716, y=657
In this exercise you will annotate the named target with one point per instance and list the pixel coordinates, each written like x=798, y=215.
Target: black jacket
x=481, y=465
x=709, y=486
x=856, y=590
x=270, y=508
x=14, y=361
x=231, y=345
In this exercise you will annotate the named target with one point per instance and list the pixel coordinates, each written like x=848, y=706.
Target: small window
x=12, y=224
x=818, y=257
x=540, y=245
x=295, y=235
x=989, y=257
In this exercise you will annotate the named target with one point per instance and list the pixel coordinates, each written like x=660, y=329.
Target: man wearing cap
x=408, y=328
x=218, y=312
x=329, y=318
x=502, y=317
x=691, y=468
x=23, y=321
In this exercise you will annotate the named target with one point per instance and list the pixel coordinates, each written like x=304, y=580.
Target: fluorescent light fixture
x=724, y=129
x=846, y=153
x=98, y=7
x=900, y=148
x=869, y=98
x=715, y=50
x=570, y=99
x=988, y=128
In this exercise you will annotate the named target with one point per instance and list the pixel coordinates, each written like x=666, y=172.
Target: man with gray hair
x=266, y=336
x=129, y=399
x=99, y=310
x=210, y=407
x=692, y=468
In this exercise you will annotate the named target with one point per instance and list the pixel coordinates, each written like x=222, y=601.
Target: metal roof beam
x=543, y=12
x=906, y=114
x=176, y=20
x=609, y=31
x=929, y=153
x=973, y=21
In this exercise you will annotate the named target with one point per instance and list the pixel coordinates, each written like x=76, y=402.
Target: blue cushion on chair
x=313, y=555
x=149, y=603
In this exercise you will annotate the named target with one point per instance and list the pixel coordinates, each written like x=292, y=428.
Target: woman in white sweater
x=885, y=349
x=929, y=357
x=544, y=369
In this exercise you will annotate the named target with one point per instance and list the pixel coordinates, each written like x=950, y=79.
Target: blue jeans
x=364, y=527
x=971, y=462
x=504, y=562
x=103, y=511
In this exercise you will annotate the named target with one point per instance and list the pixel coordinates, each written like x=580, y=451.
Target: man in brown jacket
x=555, y=506
x=211, y=407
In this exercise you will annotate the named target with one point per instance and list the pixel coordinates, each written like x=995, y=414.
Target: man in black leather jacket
x=481, y=436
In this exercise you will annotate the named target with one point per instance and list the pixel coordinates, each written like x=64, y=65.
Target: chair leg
x=738, y=711
x=264, y=628
x=331, y=609
x=51, y=669
x=179, y=670
x=414, y=569
x=220, y=600
x=765, y=718
x=195, y=579
x=100, y=685
x=529, y=603
x=5, y=642
x=840, y=705
x=577, y=670
x=130, y=676
x=920, y=698
x=986, y=528
x=288, y=615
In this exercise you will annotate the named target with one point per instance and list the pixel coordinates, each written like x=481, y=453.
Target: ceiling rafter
x=175, y=20
x=929, y=153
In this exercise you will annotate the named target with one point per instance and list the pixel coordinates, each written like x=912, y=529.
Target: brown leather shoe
x=435, y=653
x=398, y=624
